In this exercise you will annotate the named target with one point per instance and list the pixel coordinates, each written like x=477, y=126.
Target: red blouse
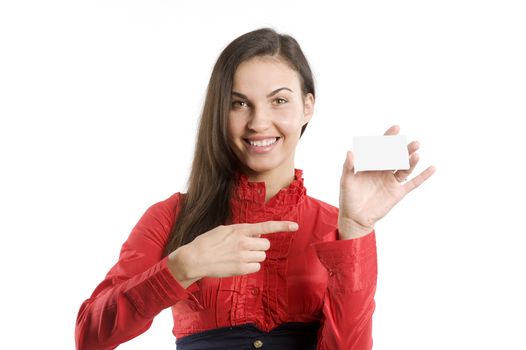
x=308, y=275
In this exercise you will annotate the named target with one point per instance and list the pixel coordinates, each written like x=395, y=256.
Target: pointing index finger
x=270, y=227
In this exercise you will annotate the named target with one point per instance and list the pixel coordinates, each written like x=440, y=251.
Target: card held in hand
x=387, y=152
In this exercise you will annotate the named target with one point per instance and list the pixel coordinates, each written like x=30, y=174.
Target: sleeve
x=137, y=288
x=349, y=299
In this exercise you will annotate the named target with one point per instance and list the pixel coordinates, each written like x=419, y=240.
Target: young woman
x=245, y=258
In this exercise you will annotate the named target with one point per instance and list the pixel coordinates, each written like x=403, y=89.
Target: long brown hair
x=207, y=202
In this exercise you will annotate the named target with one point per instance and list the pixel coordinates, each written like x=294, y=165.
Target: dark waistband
x=289, y=336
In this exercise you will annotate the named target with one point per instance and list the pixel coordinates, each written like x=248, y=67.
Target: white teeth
x=263, y=143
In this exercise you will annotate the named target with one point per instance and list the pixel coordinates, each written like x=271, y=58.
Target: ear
x=308, y=108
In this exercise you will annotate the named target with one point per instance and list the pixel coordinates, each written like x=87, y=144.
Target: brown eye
x=281, y=101
x=238, y=104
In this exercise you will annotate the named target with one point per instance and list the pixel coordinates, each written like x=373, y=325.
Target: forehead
x=264, y=74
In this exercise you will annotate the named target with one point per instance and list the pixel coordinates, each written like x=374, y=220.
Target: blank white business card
x=387, y=152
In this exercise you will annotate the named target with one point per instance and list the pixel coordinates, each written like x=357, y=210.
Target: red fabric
x=308, y=275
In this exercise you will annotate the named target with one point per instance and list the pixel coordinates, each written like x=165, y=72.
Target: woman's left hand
x=367, y=196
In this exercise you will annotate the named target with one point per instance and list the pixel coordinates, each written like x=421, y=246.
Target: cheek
x=290, y=122
x=232, y=127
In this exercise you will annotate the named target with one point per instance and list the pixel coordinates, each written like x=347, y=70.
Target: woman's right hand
x=224, y=251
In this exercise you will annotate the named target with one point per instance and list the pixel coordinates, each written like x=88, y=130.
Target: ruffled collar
x=254, y=192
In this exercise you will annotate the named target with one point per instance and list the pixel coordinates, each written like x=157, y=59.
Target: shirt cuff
x=157, y=290
x=351, y=263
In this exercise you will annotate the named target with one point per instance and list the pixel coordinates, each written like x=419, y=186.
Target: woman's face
x=266, y=117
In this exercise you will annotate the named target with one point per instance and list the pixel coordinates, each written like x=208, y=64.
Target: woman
x=245, y=258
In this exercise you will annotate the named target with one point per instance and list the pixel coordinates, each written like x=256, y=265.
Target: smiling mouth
x=262, y=143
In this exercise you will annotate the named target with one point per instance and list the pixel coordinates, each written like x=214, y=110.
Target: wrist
x=181, y=267
x=350, y=229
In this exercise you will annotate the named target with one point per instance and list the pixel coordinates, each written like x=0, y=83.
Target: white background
x=99, y=102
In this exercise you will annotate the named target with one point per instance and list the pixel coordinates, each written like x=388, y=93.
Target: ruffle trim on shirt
x=250, y=197
x=248, y=206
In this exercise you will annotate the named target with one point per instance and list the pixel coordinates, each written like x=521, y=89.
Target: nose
x=259, y=120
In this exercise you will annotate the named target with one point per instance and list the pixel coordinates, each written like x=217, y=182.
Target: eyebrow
x=269, y=95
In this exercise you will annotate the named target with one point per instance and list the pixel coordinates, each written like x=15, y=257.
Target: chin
x=260, y=166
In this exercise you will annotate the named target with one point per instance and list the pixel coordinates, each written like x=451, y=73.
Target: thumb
x=348, y=172
x=348, y=166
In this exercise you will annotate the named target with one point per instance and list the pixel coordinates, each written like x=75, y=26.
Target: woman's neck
x=274, y=180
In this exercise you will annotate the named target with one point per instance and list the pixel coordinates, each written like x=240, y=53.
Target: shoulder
x=170, y=201
x=320, y=206
x=166, y=208
x=163, y=212
x=320, y=218
x=156, y=223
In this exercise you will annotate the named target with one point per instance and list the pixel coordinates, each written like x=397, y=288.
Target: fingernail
x=293, y=226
